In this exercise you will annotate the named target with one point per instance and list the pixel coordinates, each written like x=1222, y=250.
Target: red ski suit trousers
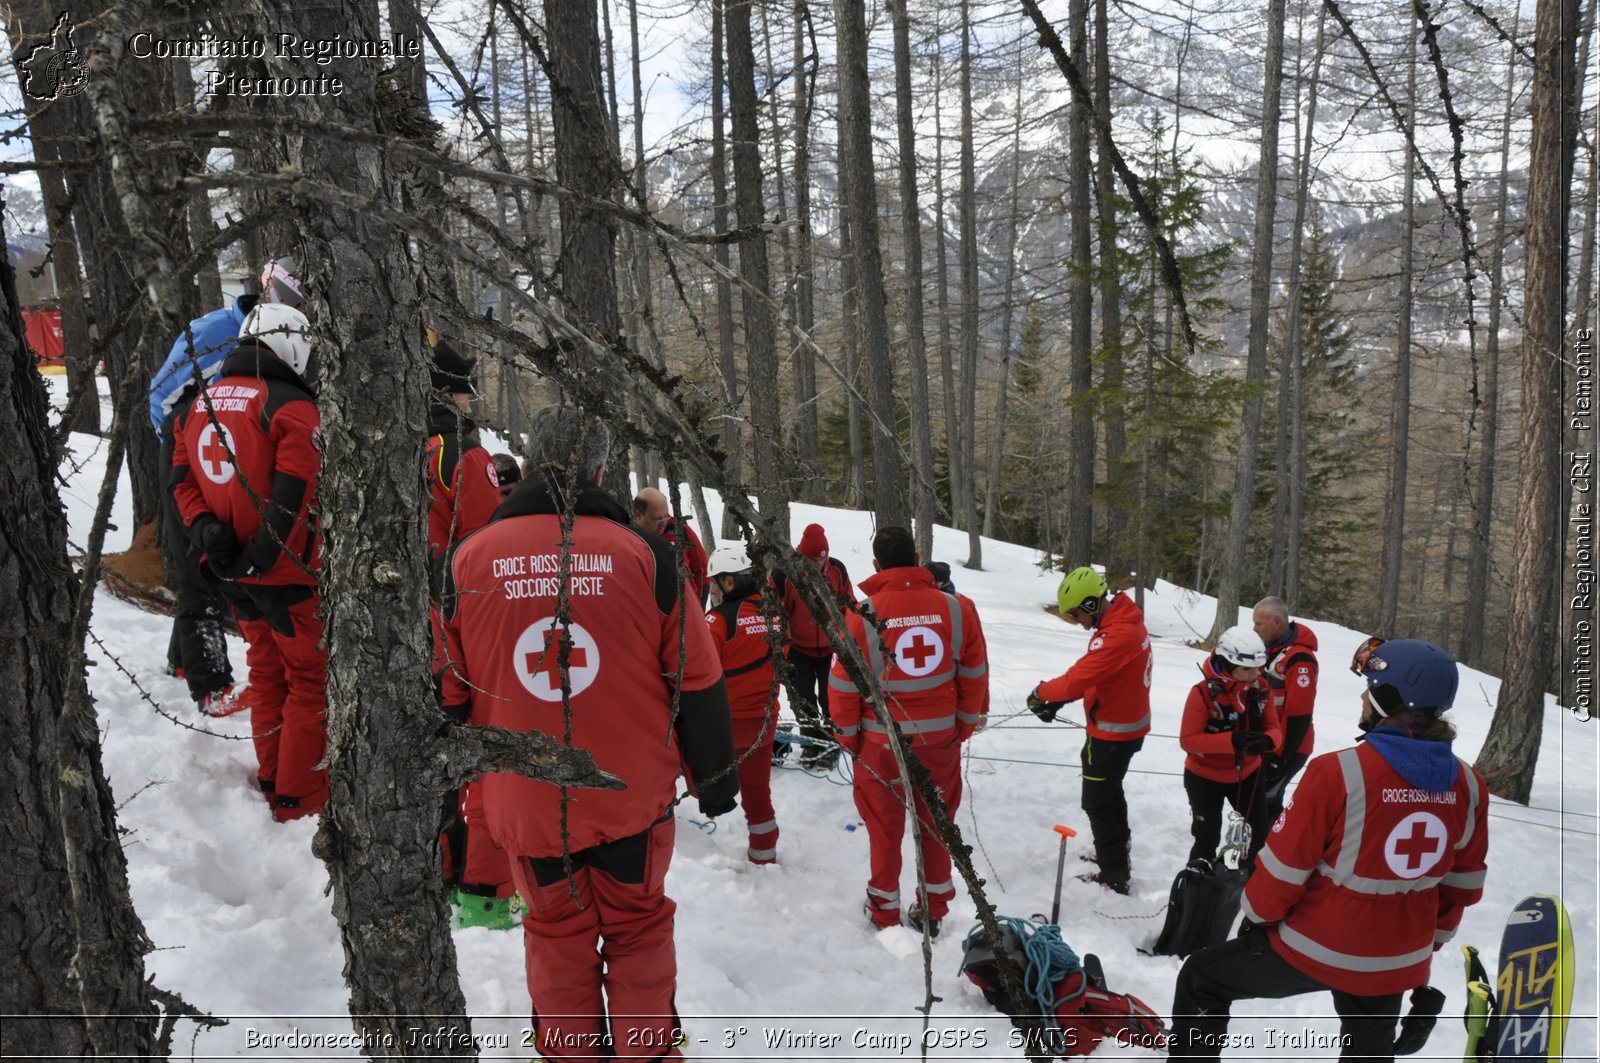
x=880, y=798
x=602, y=972
x=288, y=699
x=752, y=744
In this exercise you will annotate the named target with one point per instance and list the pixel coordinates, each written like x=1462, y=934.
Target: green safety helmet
x=1082, y=588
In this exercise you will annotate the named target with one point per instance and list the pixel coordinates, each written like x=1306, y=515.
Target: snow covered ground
x=237, y=905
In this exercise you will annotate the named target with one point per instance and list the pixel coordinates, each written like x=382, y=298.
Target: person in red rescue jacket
x=935, y=680
x=1113, y=679
x=651, y=513
x=590, y=864
x=810, y=655
x=746, y=635
x=1229, y=725
x=464, y=490
x=1291, y=672
x=1365, y=874
x=244, y=476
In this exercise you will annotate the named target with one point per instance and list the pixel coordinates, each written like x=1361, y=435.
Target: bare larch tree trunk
x=1481, y=552
x=1394, y=521
x=967, y=343
x=756, y=291
x=805, y=278
x=732, y=445
x=859, y=180
x=911, y=232
x=1080, y=300
x=1232, y=579
x=1511, y=751
x=38, y=941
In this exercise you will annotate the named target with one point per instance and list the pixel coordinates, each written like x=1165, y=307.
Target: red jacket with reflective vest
x=1216, y=708
x=805, y=633
x=1291, y=672
x=740, y=631
x=1368, y=870
x=935, y=674
x=246, y=447
x=1112, y=677
x=499, y=603
x=462, y=482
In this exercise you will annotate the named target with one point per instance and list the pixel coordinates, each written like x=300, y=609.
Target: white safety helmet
x=1242, y=648
x=284, y=331
x=731, y=558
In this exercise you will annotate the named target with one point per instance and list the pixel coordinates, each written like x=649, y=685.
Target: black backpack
x=1201, y=908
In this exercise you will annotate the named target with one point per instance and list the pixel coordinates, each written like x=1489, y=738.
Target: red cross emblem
x=216, y=451
x=537, y=659
x=920, y=651
x=1416, y=845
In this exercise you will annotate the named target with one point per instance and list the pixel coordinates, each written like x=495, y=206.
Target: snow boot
x=1114, y=883
x=917, y=917
x=229, y=700
x=819, y=758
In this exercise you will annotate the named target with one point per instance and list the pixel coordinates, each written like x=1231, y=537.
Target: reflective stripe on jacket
x=1364, y=875
x=926, y=647
x=1112, y=677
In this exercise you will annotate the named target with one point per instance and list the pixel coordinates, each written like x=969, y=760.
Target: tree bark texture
x=1394, y=523
x=38, y=939
x=1230, y=584
x=732, y=436
x=756, y=291
x=1511, y=751
x=967, y=343
x=380, y=832
x=1481, y=550
x=859, y=180
x=50, y=127
x=922, y=495
x=805, y=299
x=1080, y=299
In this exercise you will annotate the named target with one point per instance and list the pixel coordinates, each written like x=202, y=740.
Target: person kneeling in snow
x=1365, y=874
x=927, y=650
x=745, y=635
x=591, y=659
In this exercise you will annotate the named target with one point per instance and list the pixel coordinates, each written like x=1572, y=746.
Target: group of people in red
x=615, y=659
x=1354, y=885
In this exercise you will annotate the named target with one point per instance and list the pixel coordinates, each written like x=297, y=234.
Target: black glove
x=1045, y=710
x=215, y=540
x=458, y=713
x=1426, y=1003
x=1251, y=743
x=712, y=806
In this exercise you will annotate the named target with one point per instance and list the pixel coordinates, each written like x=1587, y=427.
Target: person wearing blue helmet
x=1365, y=874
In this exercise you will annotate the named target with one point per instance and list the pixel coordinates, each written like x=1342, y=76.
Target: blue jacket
x=214, y=338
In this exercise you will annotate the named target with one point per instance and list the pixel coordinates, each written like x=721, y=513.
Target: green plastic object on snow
x=1082, y=588
x=491, y=913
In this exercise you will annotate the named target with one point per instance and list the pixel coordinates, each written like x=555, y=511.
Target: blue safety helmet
x=1407, y=674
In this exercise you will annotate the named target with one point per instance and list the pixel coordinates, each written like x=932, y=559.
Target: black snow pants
x=1248, y=968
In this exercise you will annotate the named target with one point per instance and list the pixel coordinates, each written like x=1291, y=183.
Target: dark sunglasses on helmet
x=1364, y=661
